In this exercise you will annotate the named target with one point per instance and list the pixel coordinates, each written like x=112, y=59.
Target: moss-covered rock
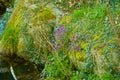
x=86, y=40
x=28, y=30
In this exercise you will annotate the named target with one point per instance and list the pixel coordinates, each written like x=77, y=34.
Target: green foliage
x=107, y=76
x=99, y=44
x=83, y=46
x=10, y=40
x=57, y=67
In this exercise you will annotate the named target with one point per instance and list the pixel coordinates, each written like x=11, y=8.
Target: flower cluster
x=60, y=32
x=58, y=35
x=75, y=42
x=62, y=39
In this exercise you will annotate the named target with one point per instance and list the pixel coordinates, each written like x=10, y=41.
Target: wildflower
x=77, y=48
x=77, y=36
x=62, y=28
x=60, y=32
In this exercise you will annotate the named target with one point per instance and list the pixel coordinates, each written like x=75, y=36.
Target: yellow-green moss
x=9, y=40
x=28, y=29
x=66, y=21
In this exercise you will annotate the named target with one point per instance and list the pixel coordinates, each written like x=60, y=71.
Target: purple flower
x=58, y=45
x=77, y=36
x=60, y=33
x=77, y=48
x=62, y=28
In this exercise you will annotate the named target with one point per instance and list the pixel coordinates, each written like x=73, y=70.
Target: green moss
x=66, y=20
x=31, y=26
x=107, y=76
x=28, y=30
x=10, y=40
x=97, y=24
